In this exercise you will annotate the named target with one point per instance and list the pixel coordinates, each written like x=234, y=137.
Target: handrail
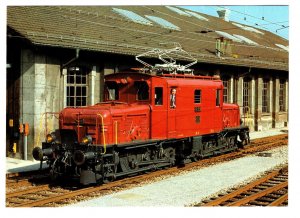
x=104, y=143
x=116, y=130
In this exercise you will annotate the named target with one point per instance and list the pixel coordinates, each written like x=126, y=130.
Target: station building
x=57, y=57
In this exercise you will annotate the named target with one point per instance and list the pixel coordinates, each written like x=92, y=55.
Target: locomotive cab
x=132, y=88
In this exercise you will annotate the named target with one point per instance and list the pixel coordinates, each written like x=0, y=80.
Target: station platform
x=16, y=165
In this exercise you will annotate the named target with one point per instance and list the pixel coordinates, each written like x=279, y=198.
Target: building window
x=226, y=89
x=281, y=96
x=77, y=87
x=246, y=95
x=197, y=96
x=265, y=96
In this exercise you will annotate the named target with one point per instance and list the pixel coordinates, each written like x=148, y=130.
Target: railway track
x=40, y=194
x=270, y=190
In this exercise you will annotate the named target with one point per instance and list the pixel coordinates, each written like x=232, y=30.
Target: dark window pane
x=142, y=90
x=72, y=89
x=71, y=101
x=83, y=79
x=70, y=78
x=83, y=91
x=158, y=96
x=78, y=79
x=78, y=91
x=68, y=101
x=83, y=102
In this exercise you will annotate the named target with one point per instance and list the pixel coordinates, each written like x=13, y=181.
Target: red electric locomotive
x=146, y=122
x=141, y=125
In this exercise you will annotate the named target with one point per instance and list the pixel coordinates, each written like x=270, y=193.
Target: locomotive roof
x=105, y=29
x=143, y=76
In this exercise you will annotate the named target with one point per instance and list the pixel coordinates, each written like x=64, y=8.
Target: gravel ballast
x=194, y=186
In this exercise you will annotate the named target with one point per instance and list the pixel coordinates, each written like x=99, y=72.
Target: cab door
x=218, y=113
x=159, y=112
x=172, y=108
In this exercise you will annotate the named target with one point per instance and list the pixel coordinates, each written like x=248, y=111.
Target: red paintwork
x=129, y=119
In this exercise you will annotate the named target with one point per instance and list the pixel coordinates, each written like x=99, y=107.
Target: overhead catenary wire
x=249, y=15
x=159, y=34
x=260, y=19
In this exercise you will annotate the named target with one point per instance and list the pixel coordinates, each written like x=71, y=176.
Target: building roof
x=132, y=30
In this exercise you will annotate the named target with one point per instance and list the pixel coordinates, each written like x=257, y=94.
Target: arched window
x=265, y=96
x=226, y=90
x=246, y=95
x=282, y=95
x=77, y=86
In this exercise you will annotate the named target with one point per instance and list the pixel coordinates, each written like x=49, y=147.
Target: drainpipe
x=73, y=59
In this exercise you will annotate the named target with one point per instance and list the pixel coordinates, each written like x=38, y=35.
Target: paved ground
x=189, y=188
x=16, y=165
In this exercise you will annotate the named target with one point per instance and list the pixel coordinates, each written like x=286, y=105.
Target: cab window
x=112, y=91
x=158, y=96
x=142, y=90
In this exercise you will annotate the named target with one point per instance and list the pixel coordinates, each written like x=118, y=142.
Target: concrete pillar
x=27, y=98
x=99, y=85
x=271, y=94
x=92, y=78
x=231, y=89
x=239, y=94
x=40, y=93
x=275, y=101
x=252, y=96
x=40, y=101
x=258, y=103
x=64, y=86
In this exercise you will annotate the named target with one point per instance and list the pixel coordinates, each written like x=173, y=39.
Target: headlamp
x=50, y=138
x=86, y=140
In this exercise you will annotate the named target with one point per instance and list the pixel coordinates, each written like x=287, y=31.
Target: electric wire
x=256, y=24
x=150, y=35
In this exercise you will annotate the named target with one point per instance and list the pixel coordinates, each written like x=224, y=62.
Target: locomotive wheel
x=169, y=154
x=231, y=141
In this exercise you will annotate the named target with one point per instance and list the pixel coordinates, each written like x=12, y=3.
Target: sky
x=270, y=18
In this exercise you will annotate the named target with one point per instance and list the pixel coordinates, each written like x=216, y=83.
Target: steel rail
x=17, y=182
x=259, y=194
x=27, y=191
x=280, y=200
x=240, y=191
